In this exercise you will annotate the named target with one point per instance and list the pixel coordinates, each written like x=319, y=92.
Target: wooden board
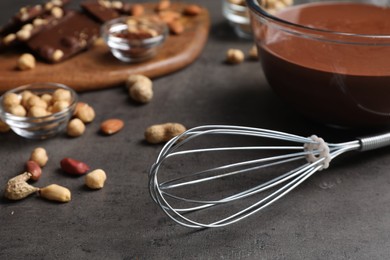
x=97, y=68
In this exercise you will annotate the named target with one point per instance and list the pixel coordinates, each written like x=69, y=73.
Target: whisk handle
x=374, y=142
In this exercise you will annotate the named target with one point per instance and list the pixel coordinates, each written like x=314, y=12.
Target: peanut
x=26, y=62
x=163, y=132
x=140, y=88
x=234, y=56
x=95, y=179
x=73, y=166
x=84, y=112
x=17, y=188
x=75, y=127
x=34, y=169
x=55, y=192
x=39, y=156
x=111, y=126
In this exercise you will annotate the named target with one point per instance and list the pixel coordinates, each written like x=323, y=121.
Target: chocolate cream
x=336, y=79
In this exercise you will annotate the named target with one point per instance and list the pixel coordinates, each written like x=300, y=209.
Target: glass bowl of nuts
x=236, y=12
x=134, y=39
x=38, y=110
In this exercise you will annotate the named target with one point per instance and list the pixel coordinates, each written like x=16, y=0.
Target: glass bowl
x=38, y=127
x=236, y=12
x=328, y=59
x=134, y=39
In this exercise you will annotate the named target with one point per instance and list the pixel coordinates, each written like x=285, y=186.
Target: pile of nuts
x=18, y=188
x=33, y=105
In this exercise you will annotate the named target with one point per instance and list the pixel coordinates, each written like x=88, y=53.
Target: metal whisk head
x=219, y=195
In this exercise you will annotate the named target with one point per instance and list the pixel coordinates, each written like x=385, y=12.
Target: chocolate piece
x=27, y=14
x=73, y=34
x=100, y=11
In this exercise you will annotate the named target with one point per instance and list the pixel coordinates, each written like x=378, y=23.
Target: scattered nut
x=176, y=27
x=17, y=188
x=39, y=156
x=55, y=192
x=192, y=10
x=234, y=56
x=95, y=179
x=111, y=126
x=169, y=16
x=84, y=112
x=140, y=88
x=163, y=5
x=57, y=12
x=75, y=127
x=163, y=132
x=9, y=38
x=253, y=54
x=137, y=10
x=34, y=169
x=73, y=166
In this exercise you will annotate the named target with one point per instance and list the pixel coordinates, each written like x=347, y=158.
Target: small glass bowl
x=238, y=17
x=39, y=127
x=134, y=39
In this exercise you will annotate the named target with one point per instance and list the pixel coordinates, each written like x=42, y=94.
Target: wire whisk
x=202, y=199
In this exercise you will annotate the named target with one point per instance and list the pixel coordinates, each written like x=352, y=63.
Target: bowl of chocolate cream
x=330, y=60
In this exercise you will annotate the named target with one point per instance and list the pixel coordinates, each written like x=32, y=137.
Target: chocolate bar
x=29, y=13
x=104, y=10
x=73, y=34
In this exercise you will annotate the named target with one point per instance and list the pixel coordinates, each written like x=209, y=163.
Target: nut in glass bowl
x=38, y=110
x=134, y=39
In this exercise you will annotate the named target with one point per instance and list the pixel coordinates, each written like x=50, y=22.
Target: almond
x=192, y=10
x=169, y=16
x=176, y=27
x=112, y=126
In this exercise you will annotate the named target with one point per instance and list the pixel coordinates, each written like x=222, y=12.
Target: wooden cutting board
x=97, y=68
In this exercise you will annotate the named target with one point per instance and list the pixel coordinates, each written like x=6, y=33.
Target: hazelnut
x=17, y=110
x=84, y=112
x=9, y=38
x=26, y=62
x=61, y=94
x=57, y=55
x=75, y=127
x=234, y=56
x=11, y=99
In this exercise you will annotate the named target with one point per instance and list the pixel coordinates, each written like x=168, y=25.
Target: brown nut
x=176, y=27
x=137, y=10
x=17, y=188
x=73, y=166
x=39, y=156
x=163, y=5
x=169, y=16
x=95, y=179
x=55, y=192
x=26, y=62
x=35, y=170
x=192, y=10
x=111, y=126
x=164, y=132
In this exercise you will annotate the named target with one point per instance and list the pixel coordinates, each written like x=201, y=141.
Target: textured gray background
x=340, y=213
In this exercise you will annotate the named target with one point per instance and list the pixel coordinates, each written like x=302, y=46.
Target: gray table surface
x=340, y=213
